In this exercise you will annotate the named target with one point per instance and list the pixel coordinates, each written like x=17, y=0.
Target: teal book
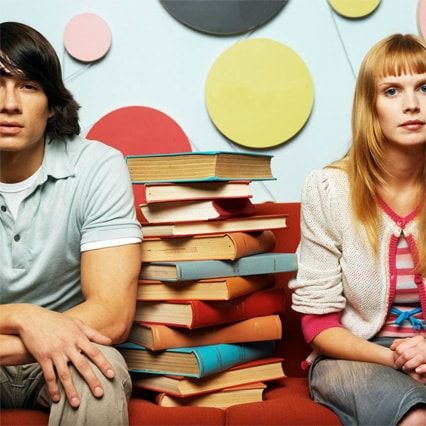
x=199, y=167
x=199, y=361
x=264, y=263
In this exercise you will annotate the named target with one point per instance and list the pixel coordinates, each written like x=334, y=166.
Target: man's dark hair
x=25, y=53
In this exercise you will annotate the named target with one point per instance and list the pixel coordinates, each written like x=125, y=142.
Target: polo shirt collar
x=56, y=161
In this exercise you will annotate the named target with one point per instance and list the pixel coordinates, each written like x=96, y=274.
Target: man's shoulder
x=79, y=147
x=82, y=151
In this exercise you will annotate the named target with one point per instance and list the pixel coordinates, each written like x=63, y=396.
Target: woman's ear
x=50, y=115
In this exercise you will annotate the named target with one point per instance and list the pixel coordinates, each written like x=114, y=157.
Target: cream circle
x=87, y=37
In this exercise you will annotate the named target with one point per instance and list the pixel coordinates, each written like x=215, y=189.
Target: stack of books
x=207, y=310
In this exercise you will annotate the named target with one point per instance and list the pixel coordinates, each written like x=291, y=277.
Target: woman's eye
x=391, y=91
x=423, y=88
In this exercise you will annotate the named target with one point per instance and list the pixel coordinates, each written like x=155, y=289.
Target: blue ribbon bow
x=408, y=315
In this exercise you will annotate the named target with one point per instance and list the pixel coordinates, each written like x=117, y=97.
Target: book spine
x=256, y=304
x=248, y=265
x=266, y=327
x=247, y=244
x=239, y=286
x=216, y=358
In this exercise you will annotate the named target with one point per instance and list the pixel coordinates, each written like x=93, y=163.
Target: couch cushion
x=23, y=417
x=286, y=403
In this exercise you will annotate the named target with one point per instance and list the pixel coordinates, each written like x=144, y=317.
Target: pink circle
x=140, y=130
x=87, y=37
x=421, y=17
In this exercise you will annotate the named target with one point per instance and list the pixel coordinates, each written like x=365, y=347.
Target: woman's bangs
x=402, y=61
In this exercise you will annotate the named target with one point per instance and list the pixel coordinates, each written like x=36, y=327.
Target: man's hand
x=410, y=355
x=55, y=339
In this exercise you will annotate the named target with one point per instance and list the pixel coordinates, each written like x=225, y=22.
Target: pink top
x=406, y=292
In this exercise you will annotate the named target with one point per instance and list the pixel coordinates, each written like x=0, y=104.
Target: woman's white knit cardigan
x=337, y=270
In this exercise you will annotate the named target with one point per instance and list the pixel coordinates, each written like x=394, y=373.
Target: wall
x=155, y=61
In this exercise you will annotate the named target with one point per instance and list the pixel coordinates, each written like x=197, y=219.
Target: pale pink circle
x=87, y=37
x=421, y=18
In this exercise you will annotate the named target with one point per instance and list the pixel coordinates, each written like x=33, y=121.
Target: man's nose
x=9, y=100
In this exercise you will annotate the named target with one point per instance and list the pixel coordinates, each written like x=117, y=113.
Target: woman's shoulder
x=328, y=179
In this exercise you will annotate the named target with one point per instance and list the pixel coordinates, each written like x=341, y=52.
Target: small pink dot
x=87, y=37
x=421, y=17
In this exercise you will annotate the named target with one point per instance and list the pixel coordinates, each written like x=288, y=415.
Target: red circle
x=139, y=130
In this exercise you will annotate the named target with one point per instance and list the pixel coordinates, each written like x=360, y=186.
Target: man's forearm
x=112, y=321
x=13, y=351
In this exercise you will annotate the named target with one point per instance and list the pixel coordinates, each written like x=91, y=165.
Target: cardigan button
x=418, y=279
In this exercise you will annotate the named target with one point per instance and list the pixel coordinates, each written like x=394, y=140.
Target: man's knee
x=121, y=373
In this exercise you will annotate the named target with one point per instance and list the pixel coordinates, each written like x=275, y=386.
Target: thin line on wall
x=342, y=43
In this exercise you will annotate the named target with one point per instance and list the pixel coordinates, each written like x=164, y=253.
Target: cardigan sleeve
x=312, y=325
x=318, y=285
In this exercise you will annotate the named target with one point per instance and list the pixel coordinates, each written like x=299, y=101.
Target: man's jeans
x=24, y=387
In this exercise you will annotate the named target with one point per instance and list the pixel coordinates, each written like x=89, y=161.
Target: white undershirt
x=14, y=193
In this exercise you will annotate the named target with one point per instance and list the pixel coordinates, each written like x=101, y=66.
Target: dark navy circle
x=223, y=17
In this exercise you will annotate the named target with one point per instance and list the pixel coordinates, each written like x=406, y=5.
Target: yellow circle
x=354, y=8
x=259, y=93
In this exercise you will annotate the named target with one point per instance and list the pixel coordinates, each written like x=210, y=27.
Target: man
x=69, y=246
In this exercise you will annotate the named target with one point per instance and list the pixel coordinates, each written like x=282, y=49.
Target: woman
x=362, y=258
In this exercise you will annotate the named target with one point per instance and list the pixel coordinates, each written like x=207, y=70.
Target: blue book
x=199, y=167
x=199, y=361
x=264, y=263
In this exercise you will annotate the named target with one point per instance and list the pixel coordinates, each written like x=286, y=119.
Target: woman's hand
x=410, y=355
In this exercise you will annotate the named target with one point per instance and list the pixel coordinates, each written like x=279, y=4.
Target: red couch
x=287, y=401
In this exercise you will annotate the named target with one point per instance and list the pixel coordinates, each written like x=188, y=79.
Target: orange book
x=158, y=336
x=225, y=288
x=223, y=398
x=261, y=370
x=228, y=246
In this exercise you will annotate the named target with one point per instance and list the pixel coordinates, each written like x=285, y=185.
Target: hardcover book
x=196, y=313
x=262, y=370
x=225, y=288
x=166, y=192
x=223, y=398
x=232, y=245
x=265, y=263
x=184, y=211
x=235, y=224
x=197, y=361
x=196, y=166
x=158, y=336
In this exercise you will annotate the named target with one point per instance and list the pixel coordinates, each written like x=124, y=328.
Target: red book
x=184, y=211
x=196, y=313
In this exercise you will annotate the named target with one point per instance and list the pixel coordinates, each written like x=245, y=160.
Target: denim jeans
x=363, y=393
x=23, y=386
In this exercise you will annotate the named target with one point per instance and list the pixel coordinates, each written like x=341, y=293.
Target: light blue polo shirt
x=82, y=196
